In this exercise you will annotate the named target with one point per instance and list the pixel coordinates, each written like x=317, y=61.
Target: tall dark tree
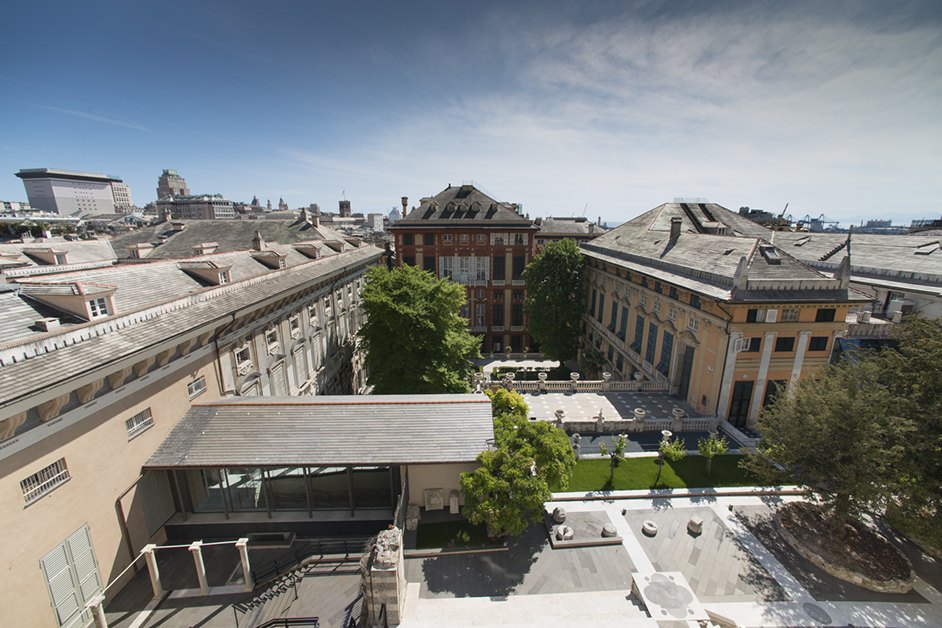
x=840, y=438
x=415, y=340
x=913, y=375
x=555, y=299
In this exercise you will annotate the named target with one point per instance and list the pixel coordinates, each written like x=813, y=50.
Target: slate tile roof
x=918, y=253
x=697, y=260
x=144, y=285
x=464, y=205
x=329, y=431
x=231, y=235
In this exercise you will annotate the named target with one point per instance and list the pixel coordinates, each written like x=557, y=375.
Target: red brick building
x=477, y=241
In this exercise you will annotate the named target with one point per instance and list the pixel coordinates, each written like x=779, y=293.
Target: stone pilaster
x=759, y=393
x=726, y=387
x=799, y=359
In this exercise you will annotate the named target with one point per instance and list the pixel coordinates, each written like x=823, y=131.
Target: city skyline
x=604, y=110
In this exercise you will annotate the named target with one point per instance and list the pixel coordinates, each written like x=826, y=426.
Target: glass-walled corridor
x=300, y=489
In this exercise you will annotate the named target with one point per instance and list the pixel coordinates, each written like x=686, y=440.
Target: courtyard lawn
x=639, y=474
x=463, y=533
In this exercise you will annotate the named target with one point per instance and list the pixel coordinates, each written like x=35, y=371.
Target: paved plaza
x=737, y=570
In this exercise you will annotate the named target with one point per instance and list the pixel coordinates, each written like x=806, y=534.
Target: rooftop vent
x=771, y=255
x=48, y=324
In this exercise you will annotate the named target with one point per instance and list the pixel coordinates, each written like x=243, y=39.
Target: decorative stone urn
x=559, y=514
x=639, y=376
x=606, y=378
x=560, y=416
x=678, y=415
x=542, y=377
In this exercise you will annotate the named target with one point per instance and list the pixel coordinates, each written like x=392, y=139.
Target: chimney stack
x=676, y=221
x=258, y=242
x=405, y=206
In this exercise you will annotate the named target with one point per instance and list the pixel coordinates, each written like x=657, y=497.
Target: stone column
x=759, y=393
x=151, y=559
x=799, y=359
x=96, y=606
x=384, y=579
x=243, y=546
x=726, y=388
x=196, y=548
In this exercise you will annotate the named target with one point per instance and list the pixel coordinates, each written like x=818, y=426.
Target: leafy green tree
x=514, y=479
x=840, y=438
x=616, y=455
x=672, y=449
x=710, y=447
x=414, y=338
x=555, y=299
x=913, y=375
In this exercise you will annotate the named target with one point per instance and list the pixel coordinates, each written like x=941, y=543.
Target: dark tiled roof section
x=470, y=206
x=231, y=235
x=329, y=431
x=63, y=365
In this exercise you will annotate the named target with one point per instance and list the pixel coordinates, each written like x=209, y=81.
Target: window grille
x=98, y=307
x=38, y=484
x=141, y=422
x=197, y=387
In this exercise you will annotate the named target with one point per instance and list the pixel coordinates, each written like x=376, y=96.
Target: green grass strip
x=639, y=474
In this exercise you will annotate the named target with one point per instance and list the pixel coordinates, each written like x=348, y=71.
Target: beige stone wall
x=444, y=476
x=102, y=463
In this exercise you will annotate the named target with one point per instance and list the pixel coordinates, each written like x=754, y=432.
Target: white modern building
x=67, y=192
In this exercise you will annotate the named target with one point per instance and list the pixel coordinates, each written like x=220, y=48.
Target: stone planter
x=848, y=575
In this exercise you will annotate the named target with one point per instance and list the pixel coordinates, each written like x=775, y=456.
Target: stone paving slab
x=715, y=564
x=586, y=527
x=586, y=405
x=530, y=566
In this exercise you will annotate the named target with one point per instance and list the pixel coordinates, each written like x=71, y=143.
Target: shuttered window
x=72, y=578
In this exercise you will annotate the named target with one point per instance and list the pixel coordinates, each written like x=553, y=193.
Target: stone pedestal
x=412, y=517
x=384, y=582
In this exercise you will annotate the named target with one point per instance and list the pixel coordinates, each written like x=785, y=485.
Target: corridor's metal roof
x=329, y=431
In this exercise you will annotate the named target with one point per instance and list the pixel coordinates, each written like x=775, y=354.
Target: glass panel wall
x=246, y=490
x=289, y=488
x=329, y=487
x=371, y=487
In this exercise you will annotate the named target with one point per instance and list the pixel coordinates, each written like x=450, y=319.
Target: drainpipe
x=729, y=320
x=123, y=522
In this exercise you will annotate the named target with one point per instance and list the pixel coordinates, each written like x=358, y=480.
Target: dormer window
x=223, y=277
x=281, y=262
x=98, y=308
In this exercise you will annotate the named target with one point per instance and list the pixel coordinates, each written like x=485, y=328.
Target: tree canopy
x=840, y=438
x=913, y=376
x=555, y=299
x=415, y=340
x=514, y=479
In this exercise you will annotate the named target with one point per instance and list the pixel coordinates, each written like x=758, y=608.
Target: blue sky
x=602, y=108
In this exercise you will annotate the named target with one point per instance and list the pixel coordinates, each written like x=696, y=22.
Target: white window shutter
x=771, y=315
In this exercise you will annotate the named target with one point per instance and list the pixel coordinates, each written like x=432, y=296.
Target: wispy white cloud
x=94, y=118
